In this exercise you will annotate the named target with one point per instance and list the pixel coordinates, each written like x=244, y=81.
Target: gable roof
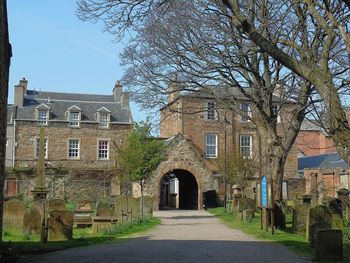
x=59, y=103
x=324, y=161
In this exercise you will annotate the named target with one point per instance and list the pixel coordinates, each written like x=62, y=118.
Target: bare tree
x=313, y=42
x=5, y=57
x=197, y=42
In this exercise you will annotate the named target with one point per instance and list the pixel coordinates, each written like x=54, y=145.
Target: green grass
x=296, y=242
x=15, y=243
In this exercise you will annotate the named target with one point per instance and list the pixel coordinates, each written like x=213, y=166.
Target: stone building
x=198, y=132
x=324, y=174
x=80, y=130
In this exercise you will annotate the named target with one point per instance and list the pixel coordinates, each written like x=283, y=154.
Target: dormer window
x=42, y=117
x=103, y=117
x=104, y=120
x=42, y=114
x=74, y=116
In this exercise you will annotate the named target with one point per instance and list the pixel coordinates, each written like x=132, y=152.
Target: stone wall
x=58, y=134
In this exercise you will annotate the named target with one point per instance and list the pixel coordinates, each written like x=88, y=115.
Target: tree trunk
x=142, y=186
x=5, y=56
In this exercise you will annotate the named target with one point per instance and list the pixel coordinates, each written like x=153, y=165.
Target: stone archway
x=181, y=155
x=178, y=189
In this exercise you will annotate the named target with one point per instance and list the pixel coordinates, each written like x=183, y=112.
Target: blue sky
x=56, y=51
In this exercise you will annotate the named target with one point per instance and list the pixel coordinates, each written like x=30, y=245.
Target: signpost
x=264, y=203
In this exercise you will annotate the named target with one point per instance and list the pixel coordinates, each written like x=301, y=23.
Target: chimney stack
x=24, y=83
x=20, y=91
x=117, y=91
x=125, y=100
x=173, y=90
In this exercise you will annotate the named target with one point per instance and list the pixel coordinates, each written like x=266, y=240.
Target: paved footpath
x=183, y=236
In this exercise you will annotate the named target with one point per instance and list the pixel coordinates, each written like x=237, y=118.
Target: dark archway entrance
x=178, y=189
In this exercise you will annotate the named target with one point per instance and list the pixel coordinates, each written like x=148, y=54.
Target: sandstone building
x=80, y=130
x=197, y=134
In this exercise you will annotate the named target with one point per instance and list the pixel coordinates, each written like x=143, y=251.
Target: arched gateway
x=180, y=180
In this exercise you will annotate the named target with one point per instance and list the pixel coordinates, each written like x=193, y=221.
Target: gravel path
x=183, y=236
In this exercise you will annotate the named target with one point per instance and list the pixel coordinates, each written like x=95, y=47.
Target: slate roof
x=59, y=103
x=324, y=161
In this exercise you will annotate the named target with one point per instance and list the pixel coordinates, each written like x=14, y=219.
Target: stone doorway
x=178, y=189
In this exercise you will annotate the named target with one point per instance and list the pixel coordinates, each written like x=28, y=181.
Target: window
x=275, y=112
x=37, y=142
x=210, y=111
x=211, y=142
x=104, y=120
x=73, y=148
x=42, y=117
x=74, y=119
x=247, y=111
x=246, y=142
x=103, y=150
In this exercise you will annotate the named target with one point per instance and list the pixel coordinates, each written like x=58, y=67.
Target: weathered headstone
x=300, y=213
x=343, y=195
x=314, y=228
x=61, y=225
x=32, y=221
x=246, y=203
x=13, y=214
x=85, y=205
x=320, y=213
x=248, y=215
x=329, y=245
x=57, y=204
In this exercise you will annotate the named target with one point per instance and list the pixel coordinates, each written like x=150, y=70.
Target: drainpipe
x=14, y=144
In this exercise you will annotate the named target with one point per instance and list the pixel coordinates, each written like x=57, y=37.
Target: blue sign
x=263, y=191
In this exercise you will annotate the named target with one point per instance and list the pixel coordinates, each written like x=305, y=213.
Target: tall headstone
x=32, y=221
x=329, y=245
x=61, y=225
x=13, y=214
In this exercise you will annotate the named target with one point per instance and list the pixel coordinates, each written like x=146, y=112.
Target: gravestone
x=32, y=221
x=313, y=231
x=300, y=214
x=57, y=204
x=246, y=203
x=280, y=216
x=85, y=205
x=329, y=245
x=248, y=215
x=320, y=213
x=13, y=214
x=343, y=195
x=61, y=225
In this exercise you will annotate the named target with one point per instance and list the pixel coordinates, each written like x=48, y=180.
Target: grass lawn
x=296, y=242
x=15, y=243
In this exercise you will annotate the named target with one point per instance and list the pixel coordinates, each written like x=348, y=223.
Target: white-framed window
x=103, y=150
x=246, y=145
x=74, y=118
x=42, y=117
x=46, y=145
x=104, y=120
x=275, y=112
x=73, y=148
x=211, y=145
x=247, y=111
x=210, y=111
